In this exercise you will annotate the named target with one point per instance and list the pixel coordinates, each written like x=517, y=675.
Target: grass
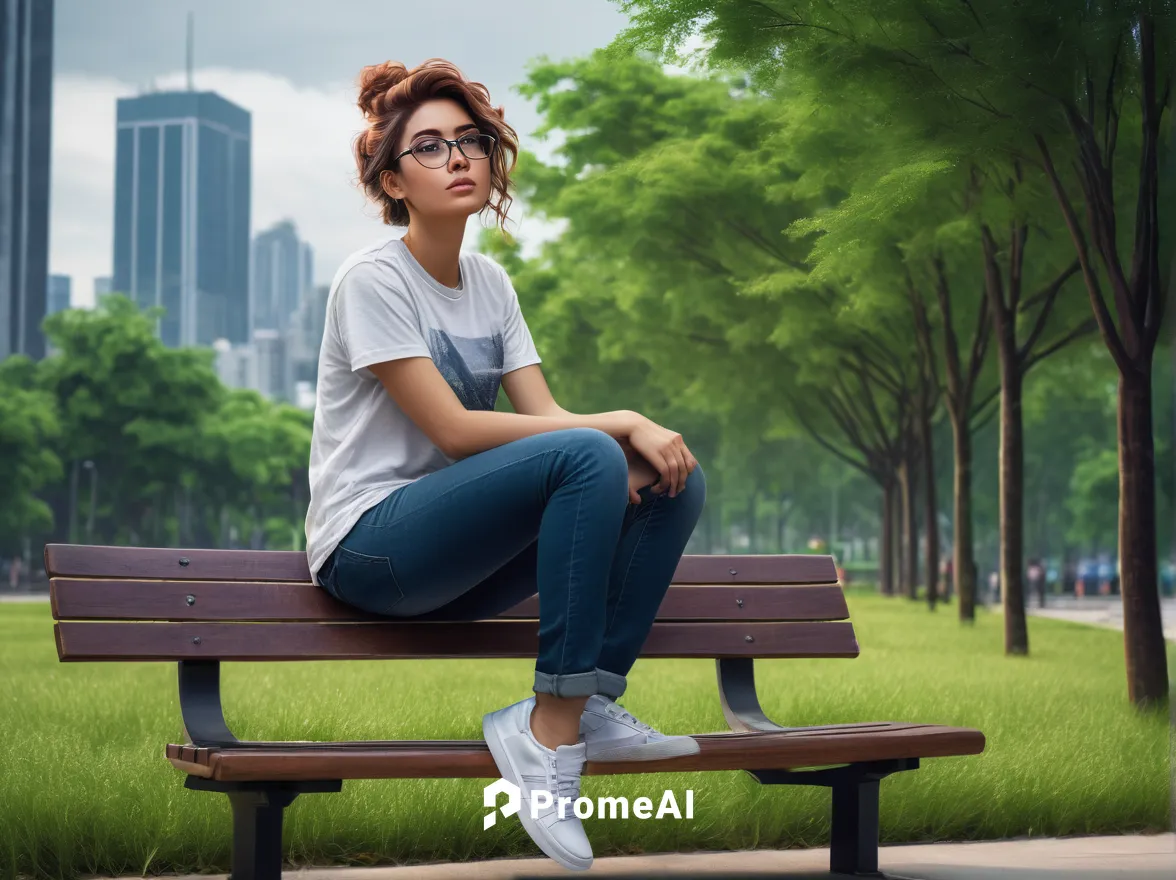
x=85, y=789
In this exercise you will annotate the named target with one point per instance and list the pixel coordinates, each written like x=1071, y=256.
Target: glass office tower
x=181, y=216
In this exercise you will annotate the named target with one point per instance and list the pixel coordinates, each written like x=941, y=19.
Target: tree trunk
x=784, y=511
x=961, y=386
x=1012, y=367
x=255, y=529
x=751, y=505
x=1012, y=466
x=886, y=545
x=909, y=553
x=1143, y=636
x=963, y=564
x=930, y=510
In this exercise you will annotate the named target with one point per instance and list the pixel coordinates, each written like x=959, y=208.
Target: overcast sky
x=293, y=64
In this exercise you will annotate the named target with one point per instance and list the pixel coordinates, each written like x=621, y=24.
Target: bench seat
x=419, y=759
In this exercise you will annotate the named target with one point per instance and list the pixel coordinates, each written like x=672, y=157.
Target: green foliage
x=129, y=404
x=28, y=424
x=172, y=455
x=1094, y=498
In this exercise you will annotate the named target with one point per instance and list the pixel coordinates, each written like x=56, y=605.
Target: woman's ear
x=388, y=184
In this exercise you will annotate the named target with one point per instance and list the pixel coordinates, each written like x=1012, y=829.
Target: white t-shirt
x=383, y=305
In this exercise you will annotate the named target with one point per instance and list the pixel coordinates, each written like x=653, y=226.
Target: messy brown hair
x=389, y=93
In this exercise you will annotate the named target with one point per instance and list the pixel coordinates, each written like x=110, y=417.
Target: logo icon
x=490, y=799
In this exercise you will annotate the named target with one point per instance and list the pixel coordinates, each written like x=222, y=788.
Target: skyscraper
x=60, y=294
x=283, y=275
x=306, y=335
x=26, y=96
x=181, y=215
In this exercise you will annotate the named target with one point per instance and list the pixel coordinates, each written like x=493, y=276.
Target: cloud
x=81, y=189
x=311, y=42
x=302, y=169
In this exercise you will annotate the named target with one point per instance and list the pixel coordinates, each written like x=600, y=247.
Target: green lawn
x=85, y=788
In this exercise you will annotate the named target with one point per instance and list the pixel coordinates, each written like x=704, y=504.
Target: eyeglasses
x=428, y=151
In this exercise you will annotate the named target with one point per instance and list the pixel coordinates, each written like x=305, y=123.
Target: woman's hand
x=641, y=472
x=666, y=452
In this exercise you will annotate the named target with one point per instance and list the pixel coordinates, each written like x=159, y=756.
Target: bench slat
x=471, y=758
x=74, y=560
x=101, y=599
x=78, y=641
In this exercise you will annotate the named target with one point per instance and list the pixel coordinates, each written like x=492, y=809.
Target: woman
x=427, y=503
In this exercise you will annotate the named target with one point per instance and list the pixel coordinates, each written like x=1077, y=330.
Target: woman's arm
x=531, y=392
x=422, y=393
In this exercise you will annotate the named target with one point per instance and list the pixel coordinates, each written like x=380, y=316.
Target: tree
x=676, y=246
x=919, y=217
x=132, y=406
x=639, y=304
x=28, y=426
x=254, y=455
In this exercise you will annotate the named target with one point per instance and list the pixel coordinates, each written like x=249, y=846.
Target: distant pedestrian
x=1036, y=575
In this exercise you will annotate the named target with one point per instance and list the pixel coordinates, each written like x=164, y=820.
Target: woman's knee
x=694, y=495
x=595, y=447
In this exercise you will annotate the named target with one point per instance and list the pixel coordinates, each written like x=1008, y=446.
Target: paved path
x=1097, y=611
x=1131, y=857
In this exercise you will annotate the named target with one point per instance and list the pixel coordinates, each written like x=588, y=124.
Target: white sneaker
x=612, y=734
x=525, y=762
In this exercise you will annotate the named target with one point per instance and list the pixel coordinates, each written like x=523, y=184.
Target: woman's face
x=428, y=190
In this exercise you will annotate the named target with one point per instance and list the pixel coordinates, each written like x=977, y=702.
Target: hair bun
x=375, y=81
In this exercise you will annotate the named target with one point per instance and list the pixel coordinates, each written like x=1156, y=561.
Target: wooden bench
x=200, y=608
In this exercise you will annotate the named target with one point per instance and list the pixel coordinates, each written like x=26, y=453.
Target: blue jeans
x=547, y=514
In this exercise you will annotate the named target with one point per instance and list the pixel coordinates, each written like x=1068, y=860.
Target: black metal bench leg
x=257, y=820
x=257, y=833
x=854, y=846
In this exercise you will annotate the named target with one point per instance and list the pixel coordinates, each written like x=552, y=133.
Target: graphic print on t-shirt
x=472, y=367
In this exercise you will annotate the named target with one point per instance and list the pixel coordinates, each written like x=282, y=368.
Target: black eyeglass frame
x=451, y=145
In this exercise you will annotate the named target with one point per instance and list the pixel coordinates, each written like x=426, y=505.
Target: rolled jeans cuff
x=580, y=684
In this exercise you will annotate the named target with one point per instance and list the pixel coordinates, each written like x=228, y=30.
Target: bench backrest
x=132, y=603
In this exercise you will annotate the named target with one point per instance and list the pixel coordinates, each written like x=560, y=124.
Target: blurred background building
x=26, y=110
x=59, y=297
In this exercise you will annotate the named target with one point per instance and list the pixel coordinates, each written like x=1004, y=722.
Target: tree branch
x=977, y=420
x=1050, y=293
x=820, y=439
x=756, y=239
x=1087, y=327
x=1106, y=325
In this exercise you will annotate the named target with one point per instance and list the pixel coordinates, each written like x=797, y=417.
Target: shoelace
x=624, y=715
x=566, y=786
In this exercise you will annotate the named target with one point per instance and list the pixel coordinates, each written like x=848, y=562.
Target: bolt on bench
x=200, y=608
